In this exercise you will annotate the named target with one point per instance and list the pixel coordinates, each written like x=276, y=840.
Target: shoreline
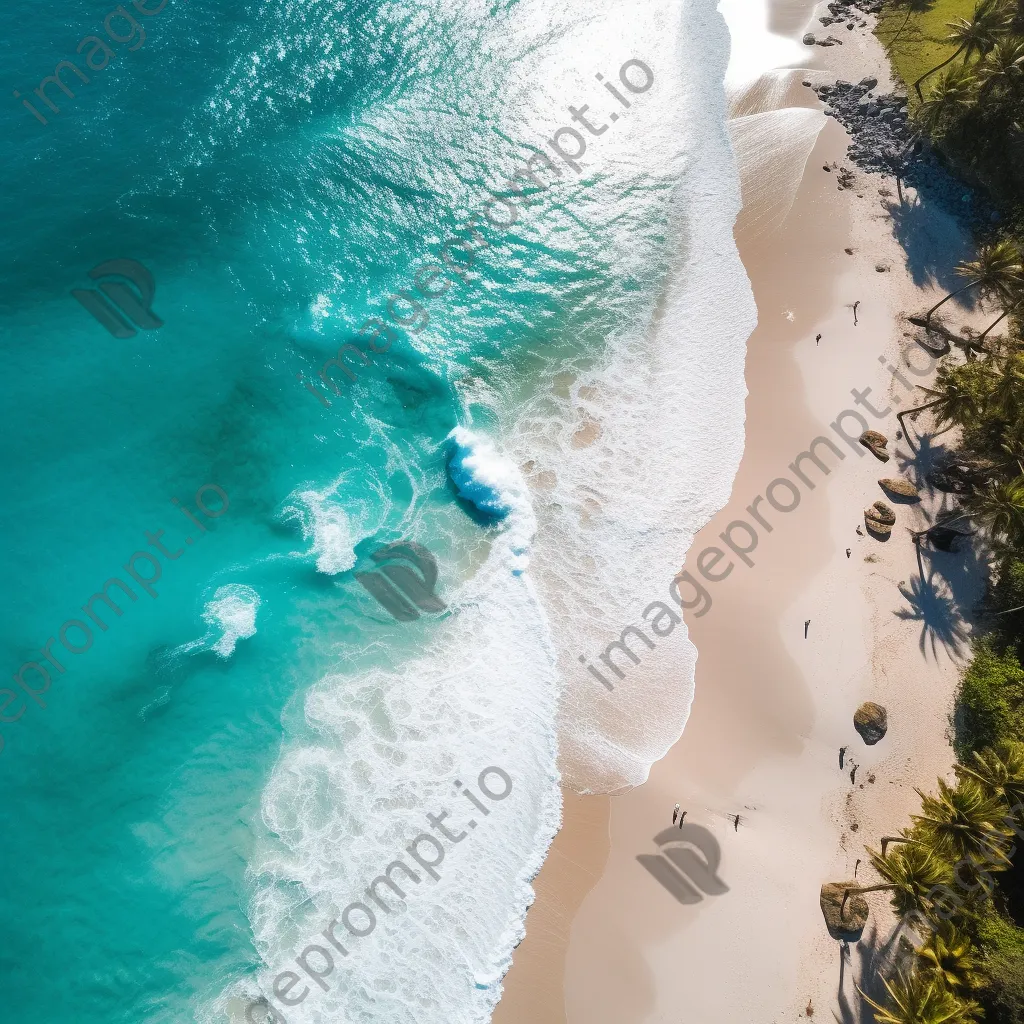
x=603, y=941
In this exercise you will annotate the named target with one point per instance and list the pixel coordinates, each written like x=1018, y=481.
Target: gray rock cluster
x=840, y=12
x=885, y=141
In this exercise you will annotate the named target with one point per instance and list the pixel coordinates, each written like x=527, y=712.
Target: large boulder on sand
x=871, y=721
x=850, y=924
x=900, y=486
x=880, y=519
x=876, y=444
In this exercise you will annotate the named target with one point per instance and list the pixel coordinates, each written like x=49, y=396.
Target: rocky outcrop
x=900, y=486
x=875, y=443
x=850, y=923
x=871, y=721
x=880, y=519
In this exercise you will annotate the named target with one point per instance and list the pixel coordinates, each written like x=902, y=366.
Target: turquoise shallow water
x=281, y=169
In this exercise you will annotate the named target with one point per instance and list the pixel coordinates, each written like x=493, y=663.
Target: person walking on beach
x=682, y=818
x=736, y=823
x=853, y=773
x=807, y=623
x=842, y=755
x=675, y=814
x=817, y=338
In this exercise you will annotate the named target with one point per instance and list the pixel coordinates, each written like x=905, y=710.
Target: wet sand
x=605, y=941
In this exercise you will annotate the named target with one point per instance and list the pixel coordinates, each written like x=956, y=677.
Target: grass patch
x=922, y=44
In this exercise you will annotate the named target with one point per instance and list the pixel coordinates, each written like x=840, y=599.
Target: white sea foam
x=231, y=616
x=326, y=525
x=630, y=460
x=495, y=486
x=623, y=467
x=392, y=742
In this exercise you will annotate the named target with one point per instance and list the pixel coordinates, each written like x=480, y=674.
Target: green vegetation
x=955, y=872
x=922, y=43
x=963, y=62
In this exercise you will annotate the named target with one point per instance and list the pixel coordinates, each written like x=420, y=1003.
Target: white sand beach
x=605, y=943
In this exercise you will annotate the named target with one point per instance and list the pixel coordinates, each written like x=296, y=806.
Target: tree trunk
x=910, y=11
x=886, y=840
x=1003, y=315
x=860, y=892
x=938, y=67
x=907, y=412
x=970, y=284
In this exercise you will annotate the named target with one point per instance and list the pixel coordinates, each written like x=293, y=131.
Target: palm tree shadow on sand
x=878, y=960
x=933, y=245
x=947, y=582
x=933, y=602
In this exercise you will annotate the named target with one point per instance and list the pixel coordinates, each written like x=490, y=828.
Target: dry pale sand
x=606, y=944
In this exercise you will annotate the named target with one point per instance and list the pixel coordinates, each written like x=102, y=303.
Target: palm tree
x=1008, y=390
x=911, y=873
x=974, y=35
x=1003, y=67
x=965, y=823
x=918, y=999
x=999, y=507
x=999, y=771
x=955, y=93
x=950, y=958
x=996, y=271
x=961, y=392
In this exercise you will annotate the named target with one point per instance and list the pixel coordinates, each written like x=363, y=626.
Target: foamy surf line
x=624, y=466
x=643, y=448
x=375, y=899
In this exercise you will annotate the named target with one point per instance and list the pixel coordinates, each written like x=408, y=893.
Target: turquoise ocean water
x=238, y=753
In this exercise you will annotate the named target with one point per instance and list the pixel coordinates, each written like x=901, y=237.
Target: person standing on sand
x=853, y=773
x=842, y=755
x=817, y=338
x=736, y=823
x=682, y=818
x=675, y=814
x=807, y=623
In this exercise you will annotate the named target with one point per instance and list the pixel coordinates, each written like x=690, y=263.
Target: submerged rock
x=849, y=924
x=901, y=486
x=876, y=444
x=871, y=721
